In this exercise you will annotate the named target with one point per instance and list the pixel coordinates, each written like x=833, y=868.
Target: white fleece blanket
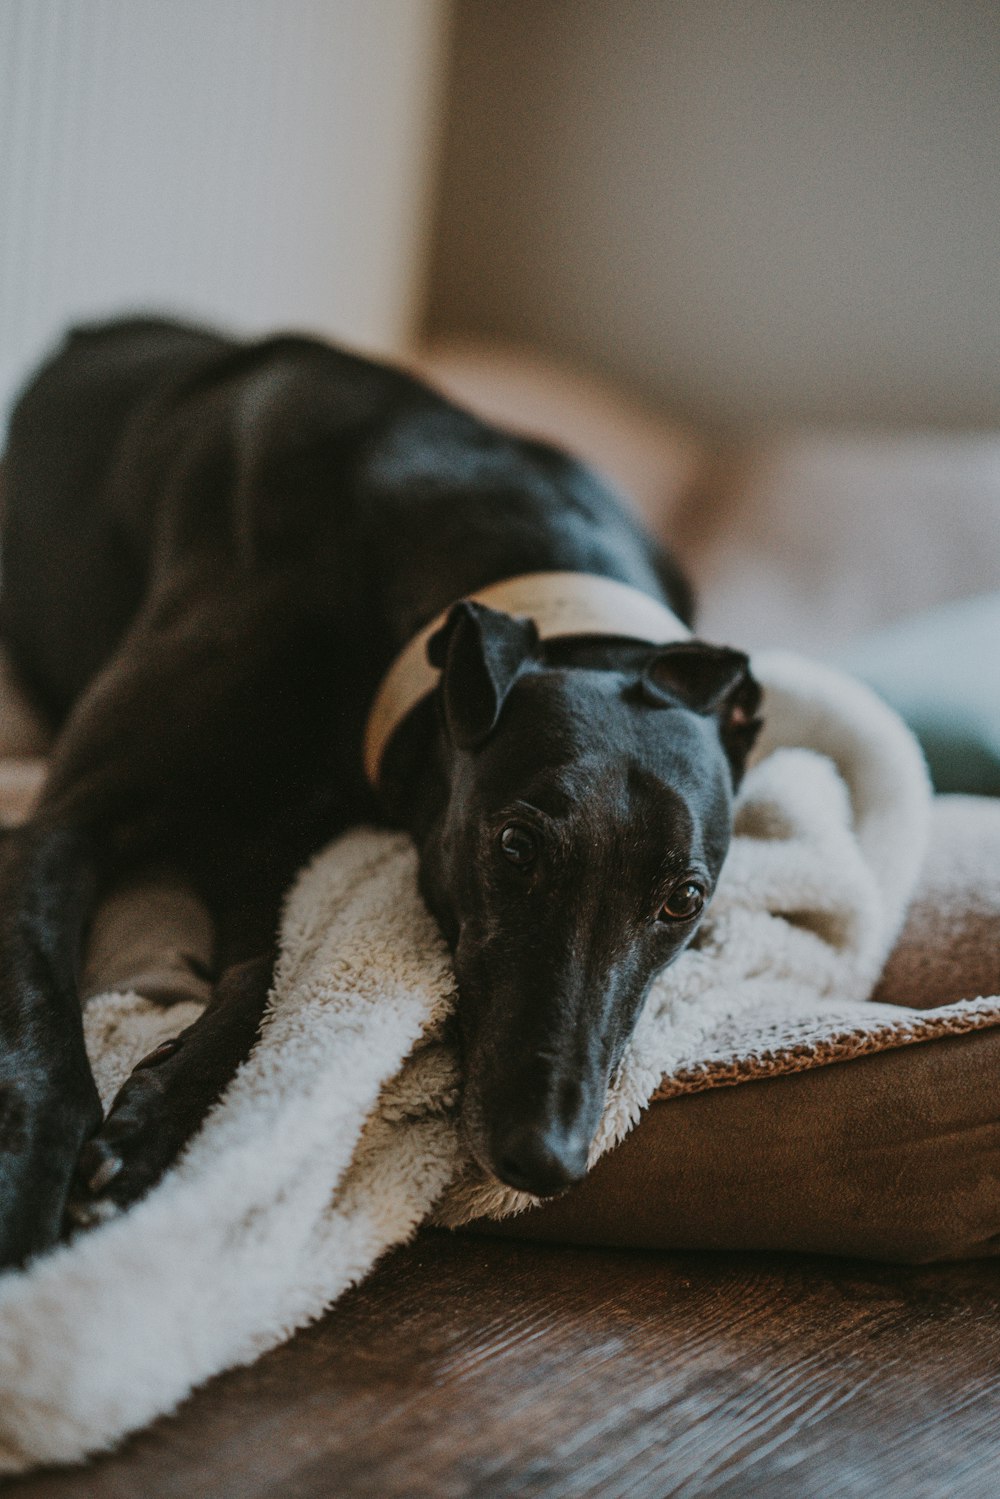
x=338, y=1137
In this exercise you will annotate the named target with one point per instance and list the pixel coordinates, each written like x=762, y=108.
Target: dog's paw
x=82, y=1214
x=144, y=1131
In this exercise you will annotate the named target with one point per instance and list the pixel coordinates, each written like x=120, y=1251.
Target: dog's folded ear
x=481, y=652
x=710, y=679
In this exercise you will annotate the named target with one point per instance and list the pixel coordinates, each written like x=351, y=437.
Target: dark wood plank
x=470, y=1366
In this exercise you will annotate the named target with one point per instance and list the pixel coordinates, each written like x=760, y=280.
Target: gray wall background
x=750, y=210
x=255, y=162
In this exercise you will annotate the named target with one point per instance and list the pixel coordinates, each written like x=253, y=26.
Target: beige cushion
x=813, y=539
x=950, y=946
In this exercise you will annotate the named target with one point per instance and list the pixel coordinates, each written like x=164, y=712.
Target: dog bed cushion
x=870, y=1156
x=885, y=1145
x=338, y=1136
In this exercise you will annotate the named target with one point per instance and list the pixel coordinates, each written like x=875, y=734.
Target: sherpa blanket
x=338, y=1136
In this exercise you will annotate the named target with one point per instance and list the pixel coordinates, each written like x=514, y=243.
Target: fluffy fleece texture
x=338, y=1135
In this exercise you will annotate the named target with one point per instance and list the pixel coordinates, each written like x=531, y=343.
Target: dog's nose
x=541, y=1161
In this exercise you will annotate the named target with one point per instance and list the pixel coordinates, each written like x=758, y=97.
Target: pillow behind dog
x=941, y=673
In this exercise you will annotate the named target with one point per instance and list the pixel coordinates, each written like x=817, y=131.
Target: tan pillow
x=815, y=539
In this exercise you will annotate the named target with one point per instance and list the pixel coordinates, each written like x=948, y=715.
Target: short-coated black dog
x=212, y=552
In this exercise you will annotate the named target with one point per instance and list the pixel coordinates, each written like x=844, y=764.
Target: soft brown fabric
x=950, y=946
x=895, y=1156
x=152, y=936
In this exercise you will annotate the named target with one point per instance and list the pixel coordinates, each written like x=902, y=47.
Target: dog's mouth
x=537, y=1157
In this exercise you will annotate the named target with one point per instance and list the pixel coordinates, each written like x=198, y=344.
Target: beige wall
x=256, y=162
x=751, y=209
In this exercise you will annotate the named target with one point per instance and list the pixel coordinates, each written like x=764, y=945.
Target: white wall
x=256, y=162
x=750, y=209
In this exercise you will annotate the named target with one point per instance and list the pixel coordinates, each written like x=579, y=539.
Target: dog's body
x=212, y=552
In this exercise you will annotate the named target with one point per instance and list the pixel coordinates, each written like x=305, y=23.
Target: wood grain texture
x=469, y=1366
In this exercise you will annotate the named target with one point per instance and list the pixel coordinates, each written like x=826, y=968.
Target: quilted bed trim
x=803, y=1055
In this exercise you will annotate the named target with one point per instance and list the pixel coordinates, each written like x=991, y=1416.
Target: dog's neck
x=561, y=604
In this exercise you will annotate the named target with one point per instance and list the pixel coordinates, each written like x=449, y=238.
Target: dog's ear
x=713, y=680
x=481, y=652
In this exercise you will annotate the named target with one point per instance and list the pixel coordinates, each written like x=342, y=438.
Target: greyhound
x=267, y=590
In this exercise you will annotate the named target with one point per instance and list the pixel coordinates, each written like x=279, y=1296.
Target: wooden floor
x=477, y=1367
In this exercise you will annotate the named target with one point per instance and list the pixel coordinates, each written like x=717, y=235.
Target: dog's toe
x=147, y=1126
x=98, y=1166
x=128, y=1156
x=82, y=1213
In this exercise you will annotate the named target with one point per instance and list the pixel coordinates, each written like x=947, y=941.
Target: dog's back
x=66, y=558
x=288, y=453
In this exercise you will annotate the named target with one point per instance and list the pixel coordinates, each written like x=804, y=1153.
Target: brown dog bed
x=886, y=1144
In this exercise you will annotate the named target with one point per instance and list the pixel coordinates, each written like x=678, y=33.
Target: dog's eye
x=518, y=844
x=683, y=902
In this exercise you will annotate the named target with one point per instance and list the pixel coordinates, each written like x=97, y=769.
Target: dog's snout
x=540, y=1160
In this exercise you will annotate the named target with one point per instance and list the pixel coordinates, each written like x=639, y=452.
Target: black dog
x=212, y=552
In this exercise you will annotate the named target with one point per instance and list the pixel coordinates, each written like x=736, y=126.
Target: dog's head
x=584, y=820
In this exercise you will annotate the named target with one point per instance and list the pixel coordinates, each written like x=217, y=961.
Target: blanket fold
x=338, y=1136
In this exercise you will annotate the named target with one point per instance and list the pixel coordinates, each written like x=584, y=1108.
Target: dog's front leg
x=48, y=1101
x=164, y=746
x=163, y=1102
